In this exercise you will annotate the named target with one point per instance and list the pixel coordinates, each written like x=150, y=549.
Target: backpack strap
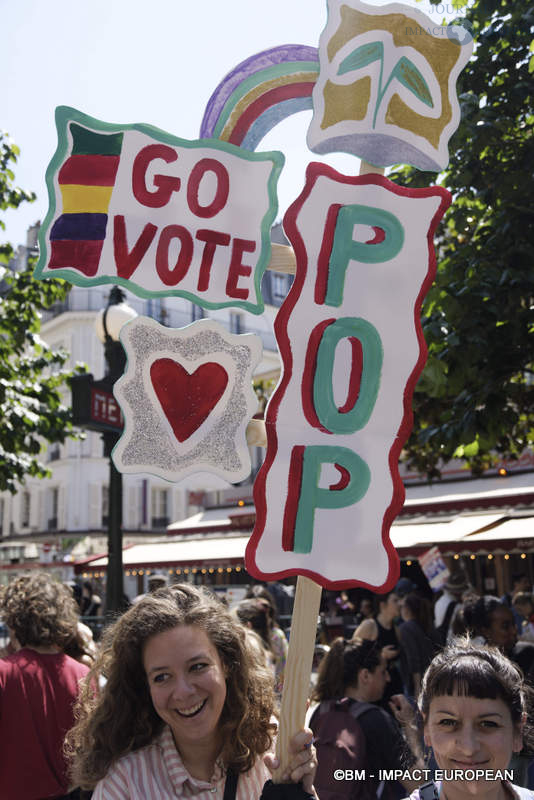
x=230, y=786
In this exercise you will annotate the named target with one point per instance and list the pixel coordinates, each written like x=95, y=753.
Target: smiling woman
x=186, y=709
x=475, y=707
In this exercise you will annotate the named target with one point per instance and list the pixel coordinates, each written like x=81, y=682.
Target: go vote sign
x=161, y=215
x=352, y=347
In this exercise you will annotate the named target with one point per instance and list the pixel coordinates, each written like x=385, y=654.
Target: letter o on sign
x=355, y=418
x=198, y=172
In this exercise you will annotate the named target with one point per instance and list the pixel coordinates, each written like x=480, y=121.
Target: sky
x=151, y=61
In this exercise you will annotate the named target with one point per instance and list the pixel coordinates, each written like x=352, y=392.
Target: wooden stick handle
x=366, y=169
x=298, y=668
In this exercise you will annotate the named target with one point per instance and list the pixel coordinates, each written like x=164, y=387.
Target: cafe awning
x=194, y=552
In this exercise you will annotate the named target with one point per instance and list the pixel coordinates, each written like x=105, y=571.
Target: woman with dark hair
x=417, y=643
x=475, y=707
x=186, y=708
x=381, y=629
x=352, y=678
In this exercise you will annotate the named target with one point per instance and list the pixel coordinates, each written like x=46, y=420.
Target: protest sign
x=160, y=215
x=186, y=398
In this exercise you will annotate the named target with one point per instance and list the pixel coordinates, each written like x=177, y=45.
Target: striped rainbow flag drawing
x=86, y=182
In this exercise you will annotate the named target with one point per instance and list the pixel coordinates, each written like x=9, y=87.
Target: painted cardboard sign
x=163, y=216
x=386, y=90
x=435, y=569
x=186, y=397
x=352, y=348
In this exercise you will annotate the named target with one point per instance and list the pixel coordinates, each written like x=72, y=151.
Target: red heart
x=187, y=399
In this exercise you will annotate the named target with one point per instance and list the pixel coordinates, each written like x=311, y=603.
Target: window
x=105, y=506
x=160, y=508
x=53, y=452
x=2, y=512
x=236, y=322
x=53, y=503
x=279, y=286
x=196, y=312
x=25, y=510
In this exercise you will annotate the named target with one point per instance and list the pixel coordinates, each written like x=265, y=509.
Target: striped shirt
x=156, y=772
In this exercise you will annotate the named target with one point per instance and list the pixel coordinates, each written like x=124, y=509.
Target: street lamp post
x=108, y=324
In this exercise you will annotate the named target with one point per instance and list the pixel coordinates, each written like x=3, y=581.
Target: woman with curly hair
x=186, y=709
x=38, y=687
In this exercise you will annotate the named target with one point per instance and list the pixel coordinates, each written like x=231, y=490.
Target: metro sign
x=94, y=406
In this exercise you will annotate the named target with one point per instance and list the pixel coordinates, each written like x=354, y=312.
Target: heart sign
x=187, y=398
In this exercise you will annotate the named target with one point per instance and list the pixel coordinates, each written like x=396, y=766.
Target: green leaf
x=407, y=73
x=361, y=57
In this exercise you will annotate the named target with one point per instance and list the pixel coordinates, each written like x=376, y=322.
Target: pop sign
x=158, y=214
x=352, y=346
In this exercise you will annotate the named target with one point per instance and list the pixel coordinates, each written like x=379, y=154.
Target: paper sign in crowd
x=164, y=216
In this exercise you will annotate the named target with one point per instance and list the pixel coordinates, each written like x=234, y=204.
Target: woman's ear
x=363, y=676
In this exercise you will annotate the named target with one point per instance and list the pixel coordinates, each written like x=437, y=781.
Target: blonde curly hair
x=120, y=718
x=39, y=610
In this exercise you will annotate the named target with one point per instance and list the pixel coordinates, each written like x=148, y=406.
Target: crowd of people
x=180, y=697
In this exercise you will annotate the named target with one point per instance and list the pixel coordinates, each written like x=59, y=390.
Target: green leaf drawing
x=361, y=57
x=407, y=73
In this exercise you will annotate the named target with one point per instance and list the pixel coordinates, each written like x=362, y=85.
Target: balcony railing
x=94, y=299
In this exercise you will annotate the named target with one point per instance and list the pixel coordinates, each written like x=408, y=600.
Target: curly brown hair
x=39, y=610
x=120, y=718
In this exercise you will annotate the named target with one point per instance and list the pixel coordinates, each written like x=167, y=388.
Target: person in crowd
x=381, y=629
x=39, y=684
x=446, y=606
x=253, y=614
x=82, y=647
x=155, y=581
x=475, y=707
x=278, y=639
x=186, y=710
x=404, y=586
x=523, y=609
x=417, y=639
x=91, y=605
x=365, y=610
x=352, y=678
x=491, y=622
x=344, y=604
x=520, y=583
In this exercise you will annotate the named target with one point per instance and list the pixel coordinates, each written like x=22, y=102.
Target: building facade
x=64, y=518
